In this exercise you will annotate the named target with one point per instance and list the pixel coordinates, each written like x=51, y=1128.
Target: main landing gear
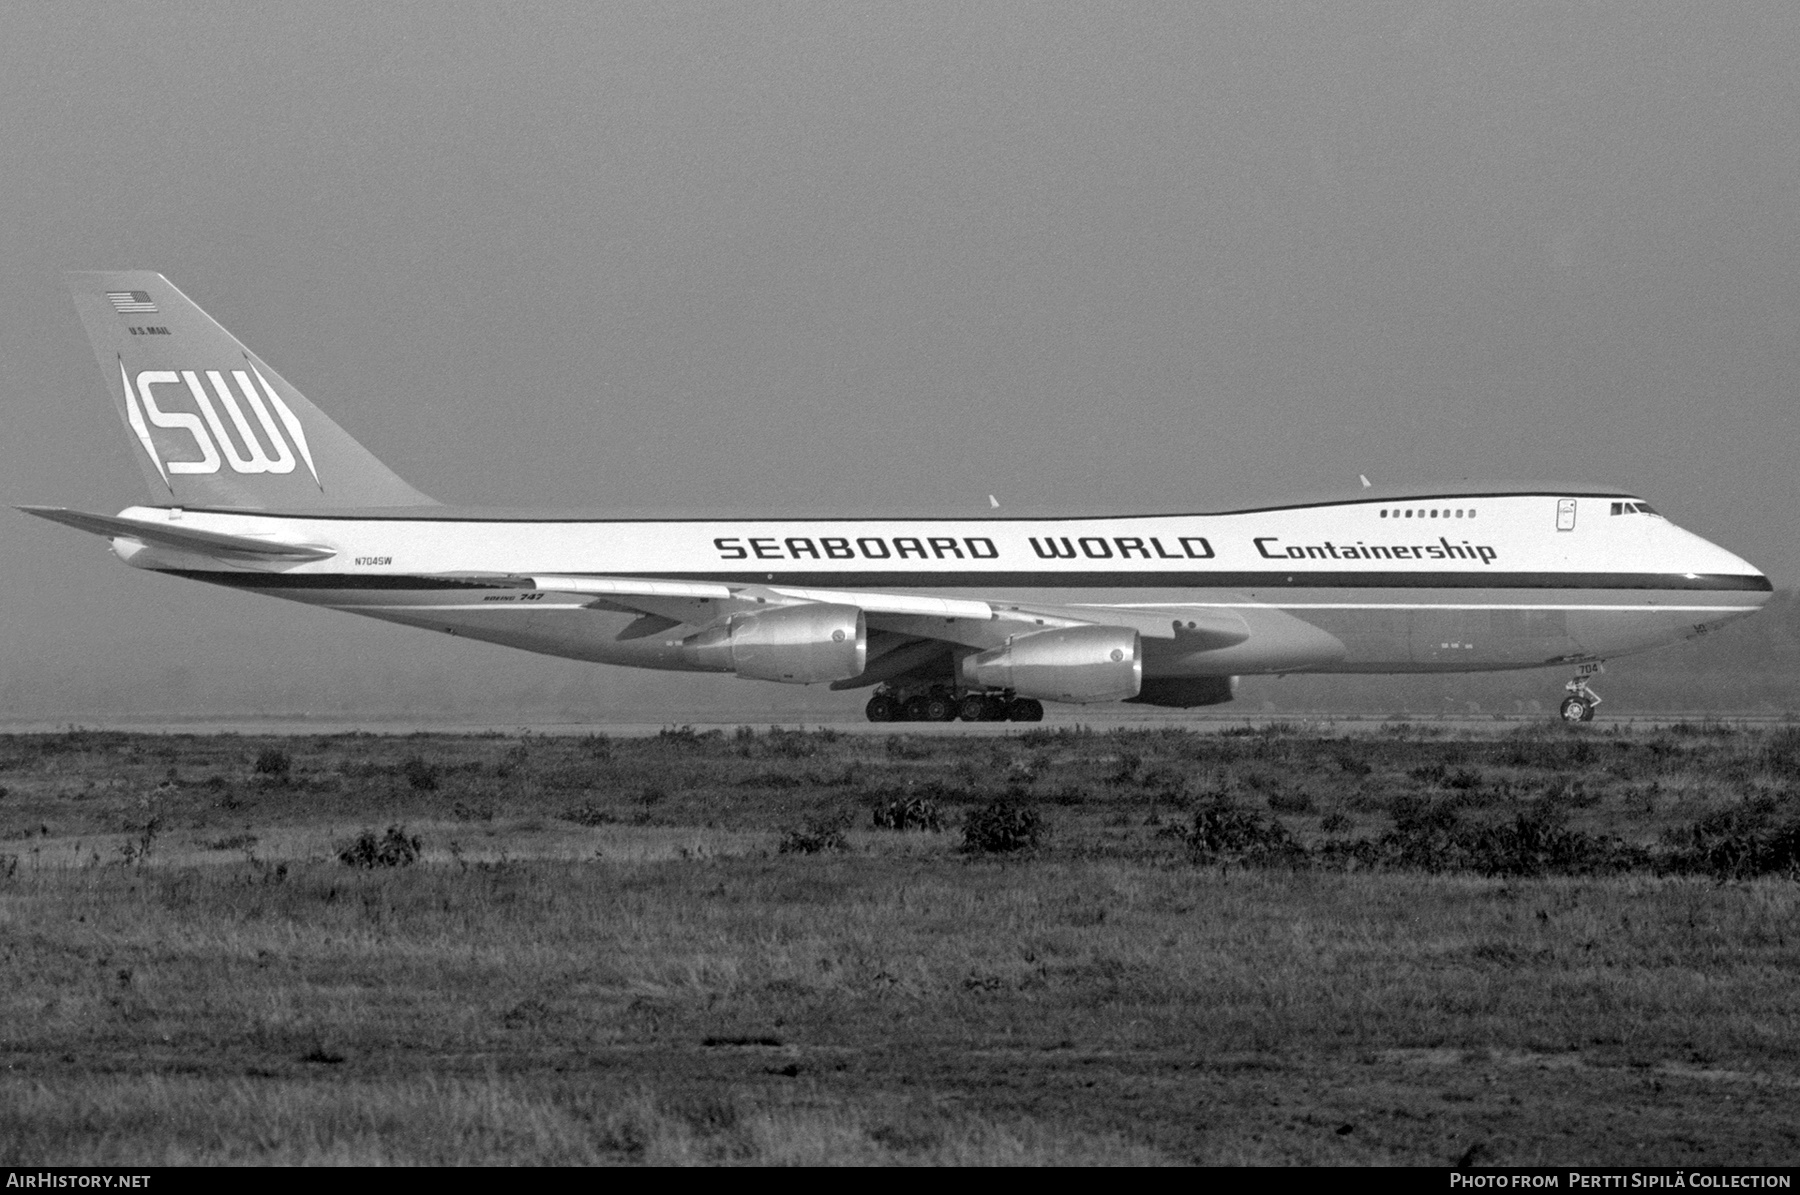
x=941, y=704
x=1579, y=705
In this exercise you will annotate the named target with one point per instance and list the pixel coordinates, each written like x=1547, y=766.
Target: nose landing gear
x=1579, y=705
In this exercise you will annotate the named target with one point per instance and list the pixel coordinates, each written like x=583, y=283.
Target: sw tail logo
x=247, y=452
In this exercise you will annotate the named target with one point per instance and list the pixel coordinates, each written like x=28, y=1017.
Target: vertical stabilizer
x=211, y=424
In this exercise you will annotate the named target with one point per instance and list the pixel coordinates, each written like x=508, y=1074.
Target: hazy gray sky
x=854, y=256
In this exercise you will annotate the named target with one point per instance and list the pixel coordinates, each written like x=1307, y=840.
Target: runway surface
x=1307, y=723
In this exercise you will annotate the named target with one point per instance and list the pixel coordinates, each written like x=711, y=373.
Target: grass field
x=1551, y=945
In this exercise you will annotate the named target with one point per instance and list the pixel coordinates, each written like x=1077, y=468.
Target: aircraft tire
x=1025, y=709
x=882, y=708
x=1574, y=709
x=973, y=708
x=917, y=709
x=939, y=708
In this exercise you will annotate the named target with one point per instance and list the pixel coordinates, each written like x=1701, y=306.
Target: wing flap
x=1205, y=626
x=630, y=587
x=889, y=603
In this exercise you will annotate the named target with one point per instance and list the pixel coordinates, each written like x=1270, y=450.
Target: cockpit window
x=1633, y=508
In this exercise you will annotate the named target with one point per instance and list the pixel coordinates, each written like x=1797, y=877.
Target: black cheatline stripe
x=1049, y=580
x=326, y=581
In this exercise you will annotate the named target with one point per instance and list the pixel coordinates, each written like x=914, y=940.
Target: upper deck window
x=1440, y=513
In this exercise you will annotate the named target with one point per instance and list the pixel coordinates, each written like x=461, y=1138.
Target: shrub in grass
x=906, y=746
x=816, y=837
x=588, y=814
x=420, y=774
x=1781, y=754
x=1431, y=836
x=1002, y=826
x=1535, y=843
x=392, y=849
x=1225, y=833
x=789, y=744
x=274, y=763
x=1430, y=773
x=687, y=736
x=915, y=813
x=1733, y=844
x=1291, y=800
x=772, y=780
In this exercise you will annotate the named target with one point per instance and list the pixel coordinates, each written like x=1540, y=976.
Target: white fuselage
x=1458, y=582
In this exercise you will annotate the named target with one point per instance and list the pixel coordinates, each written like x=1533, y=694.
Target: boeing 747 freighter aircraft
x=254, y=488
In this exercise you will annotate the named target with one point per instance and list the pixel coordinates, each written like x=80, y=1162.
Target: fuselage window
x=1471, y=512
x=1409, y=514
x=1384, y=514
x=1459, y=514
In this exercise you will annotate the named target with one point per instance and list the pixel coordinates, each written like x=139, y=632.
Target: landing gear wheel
x=917, y=709
x=939, y=708
x=974, y=708
x=882, y=708
x=1024, y=709
x=1579, y=705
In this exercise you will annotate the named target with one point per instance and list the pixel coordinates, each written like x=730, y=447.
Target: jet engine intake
x=1068, y=664
x=799, y=645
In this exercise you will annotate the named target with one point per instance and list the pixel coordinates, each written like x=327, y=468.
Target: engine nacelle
x=1186, y=692
x=1070, y=664
x=799, y=645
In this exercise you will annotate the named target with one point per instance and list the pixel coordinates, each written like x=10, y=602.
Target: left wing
x=963, y=621
x=896, y=633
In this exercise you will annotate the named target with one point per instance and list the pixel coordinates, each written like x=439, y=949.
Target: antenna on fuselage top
x=1364, y=480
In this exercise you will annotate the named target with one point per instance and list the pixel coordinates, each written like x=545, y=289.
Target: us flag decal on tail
x=130, y=302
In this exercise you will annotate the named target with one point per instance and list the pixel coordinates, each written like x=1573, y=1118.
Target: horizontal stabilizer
x=186, y=539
